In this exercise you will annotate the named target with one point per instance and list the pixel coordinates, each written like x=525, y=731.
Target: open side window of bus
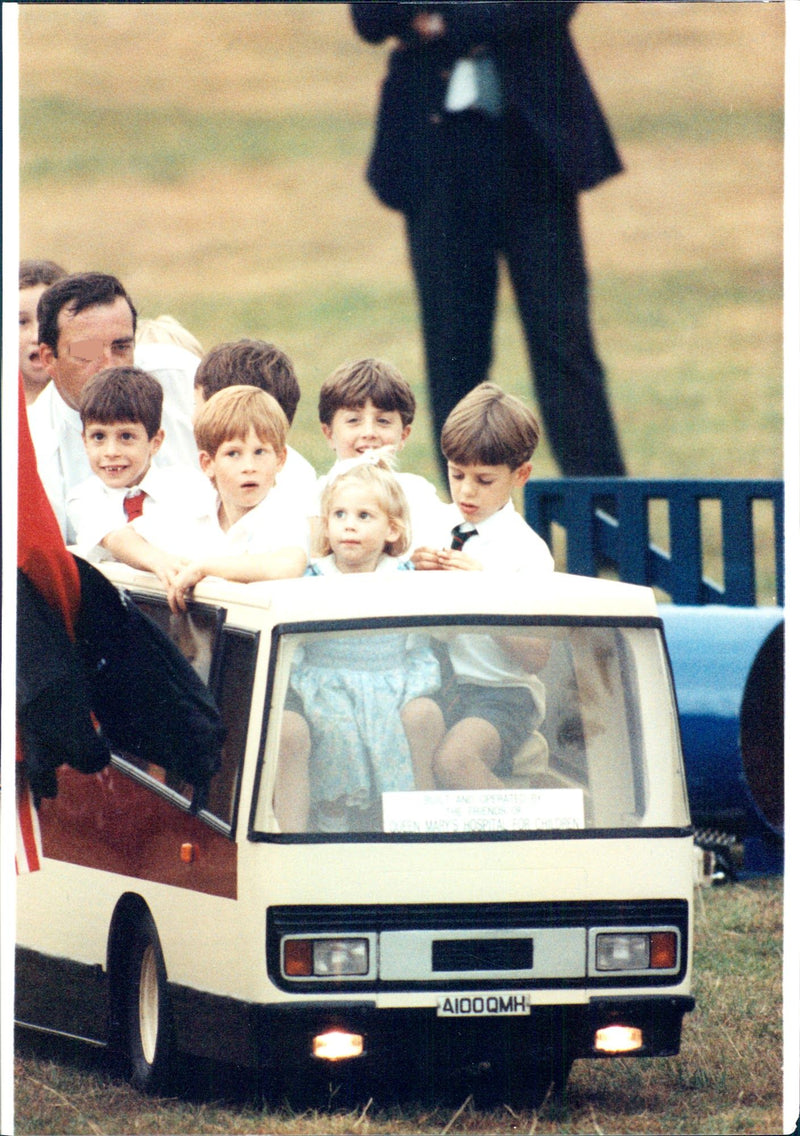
x=234, y=692
x=224, y=658
x=196, y=633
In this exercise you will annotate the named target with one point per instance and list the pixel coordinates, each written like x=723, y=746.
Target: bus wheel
x=146, y=1008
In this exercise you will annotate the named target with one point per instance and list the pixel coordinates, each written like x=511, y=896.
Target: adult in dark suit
x=487, y=131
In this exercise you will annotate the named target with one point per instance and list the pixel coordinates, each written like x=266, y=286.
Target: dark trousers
x=491, y=193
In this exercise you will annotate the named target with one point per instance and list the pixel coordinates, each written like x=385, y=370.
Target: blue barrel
x=728, y=665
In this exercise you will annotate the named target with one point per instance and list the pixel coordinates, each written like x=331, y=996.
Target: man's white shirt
x=60, y=454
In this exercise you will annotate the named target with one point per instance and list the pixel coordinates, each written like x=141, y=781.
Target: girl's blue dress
x=353, y=686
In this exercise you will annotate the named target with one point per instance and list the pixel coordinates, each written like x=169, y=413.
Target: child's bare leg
x=333, y=816
x=468, y=755
x=424, y=727
x=291, y=800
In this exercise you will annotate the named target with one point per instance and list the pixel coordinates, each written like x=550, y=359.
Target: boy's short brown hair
x=490, y=427
x=33, y=272
x=352, y=384
x=122, y=394
x=231, y=412
x=250, y=362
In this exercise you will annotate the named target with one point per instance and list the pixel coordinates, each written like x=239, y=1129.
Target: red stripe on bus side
x=28, y=854
x=110, y=822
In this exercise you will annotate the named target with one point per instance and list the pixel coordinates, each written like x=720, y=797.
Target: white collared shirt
x=297, y=483
x=60, y=453
x=504, y=542
x=271, y=525
x=175, y=500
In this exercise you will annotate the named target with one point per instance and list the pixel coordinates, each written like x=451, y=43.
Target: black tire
x=146, y=1010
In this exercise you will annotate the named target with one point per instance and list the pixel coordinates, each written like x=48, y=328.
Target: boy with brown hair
x=254, y=362
x=368, y=406
x=488, y=440
x=127, y=508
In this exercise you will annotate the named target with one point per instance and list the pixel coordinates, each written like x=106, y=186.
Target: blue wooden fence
x=607, y=522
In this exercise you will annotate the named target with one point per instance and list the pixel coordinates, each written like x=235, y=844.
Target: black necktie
x=461, y=536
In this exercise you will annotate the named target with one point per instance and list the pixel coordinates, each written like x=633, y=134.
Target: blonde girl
x=366, y=697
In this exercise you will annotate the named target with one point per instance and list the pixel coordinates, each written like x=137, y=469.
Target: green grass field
x=212, y=156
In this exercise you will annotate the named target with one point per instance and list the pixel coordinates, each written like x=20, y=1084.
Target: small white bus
x=500, y=932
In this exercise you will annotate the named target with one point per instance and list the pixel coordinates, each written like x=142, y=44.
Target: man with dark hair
x=87, y=321
x=78, y=295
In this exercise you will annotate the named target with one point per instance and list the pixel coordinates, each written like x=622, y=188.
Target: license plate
x=483, y=1005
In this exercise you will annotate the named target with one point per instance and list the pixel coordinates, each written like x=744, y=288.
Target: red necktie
x=133, y=505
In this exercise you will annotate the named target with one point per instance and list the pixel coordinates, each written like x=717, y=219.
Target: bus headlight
x=325, y=957
x=635, y=951
x=622, y=952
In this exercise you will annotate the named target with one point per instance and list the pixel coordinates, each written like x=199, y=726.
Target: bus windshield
x=471, y=727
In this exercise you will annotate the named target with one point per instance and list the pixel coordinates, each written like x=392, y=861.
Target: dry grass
x=287, y=58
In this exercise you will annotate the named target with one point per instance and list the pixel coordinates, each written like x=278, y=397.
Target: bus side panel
x=61, y=994
x=216, y=1027
x=112, y=822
